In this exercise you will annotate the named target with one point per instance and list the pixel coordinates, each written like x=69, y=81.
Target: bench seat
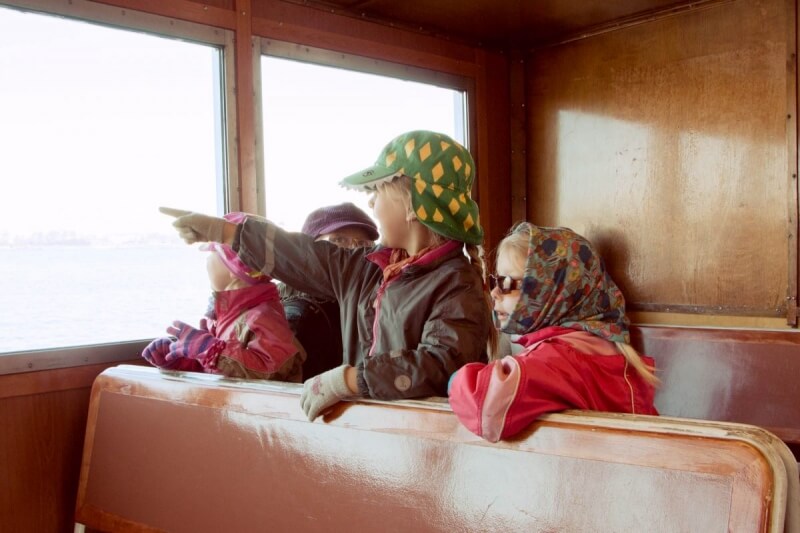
x=192, y=452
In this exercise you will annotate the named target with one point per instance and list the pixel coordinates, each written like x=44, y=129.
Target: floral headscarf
x=566, y=284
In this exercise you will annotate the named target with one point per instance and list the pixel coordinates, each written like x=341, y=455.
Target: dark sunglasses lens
x=499, y=282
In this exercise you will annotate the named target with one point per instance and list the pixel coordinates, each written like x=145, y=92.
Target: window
x=323, y=123
x=99, y=127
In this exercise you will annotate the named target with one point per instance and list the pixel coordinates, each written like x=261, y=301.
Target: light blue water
x=60, y=296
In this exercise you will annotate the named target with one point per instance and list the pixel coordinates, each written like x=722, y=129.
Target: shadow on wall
x=613, y=247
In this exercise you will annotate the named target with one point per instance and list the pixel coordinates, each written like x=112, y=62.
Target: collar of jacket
x=543, y=334
x=428, y=261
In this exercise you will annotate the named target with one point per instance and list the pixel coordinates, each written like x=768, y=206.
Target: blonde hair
x=635, y=360
x=517, y=242
x=400, y=189
x=476, y=259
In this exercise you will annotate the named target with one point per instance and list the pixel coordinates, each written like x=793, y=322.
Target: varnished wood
x=43, y=420
x=181, y=18
x=407, y=466
x=793, y=198
x=509, y=24
x=665, y=144
x=203, y=13
x=28, y=383
x=493, y=145
x=40, y=450
x=746, y=376
x=245, y=104
x=519, y=134
x=287, y=22
x=673, y=318
x=222, y=4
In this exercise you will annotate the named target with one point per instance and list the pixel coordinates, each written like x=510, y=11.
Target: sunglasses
x=505, y=284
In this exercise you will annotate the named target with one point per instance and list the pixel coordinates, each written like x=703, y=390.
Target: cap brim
x=369, y=178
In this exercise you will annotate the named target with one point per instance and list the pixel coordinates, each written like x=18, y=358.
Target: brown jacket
x=431, y=319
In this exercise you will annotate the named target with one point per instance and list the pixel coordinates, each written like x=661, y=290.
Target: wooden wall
x=671, y=145
x=43, y=419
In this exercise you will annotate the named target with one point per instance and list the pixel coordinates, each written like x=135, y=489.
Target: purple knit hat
x=329, y=219
x=231, y=258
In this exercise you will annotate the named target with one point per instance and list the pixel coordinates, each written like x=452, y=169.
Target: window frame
x=367, y=65
x=227, y=142
x=228, y=197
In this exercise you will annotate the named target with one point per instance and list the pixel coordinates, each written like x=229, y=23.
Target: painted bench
x=729, y=375
x=192, y=452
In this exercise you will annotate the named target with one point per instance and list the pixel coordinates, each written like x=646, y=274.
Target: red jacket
x=561, y=368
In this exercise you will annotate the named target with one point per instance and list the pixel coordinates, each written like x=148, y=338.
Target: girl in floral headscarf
x=552, y=289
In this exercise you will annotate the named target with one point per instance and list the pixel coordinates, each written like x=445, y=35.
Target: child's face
x=218, y=274
x=509, y=264
x=392, y=219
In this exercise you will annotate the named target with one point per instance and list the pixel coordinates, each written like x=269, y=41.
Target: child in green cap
x=413, y=309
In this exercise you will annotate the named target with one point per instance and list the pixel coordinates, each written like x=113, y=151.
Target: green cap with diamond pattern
x=441, y=172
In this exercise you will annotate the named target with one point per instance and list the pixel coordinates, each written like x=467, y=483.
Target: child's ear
x=411, y=216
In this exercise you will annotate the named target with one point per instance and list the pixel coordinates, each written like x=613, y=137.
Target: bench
x=732, y=375
x=192, y=452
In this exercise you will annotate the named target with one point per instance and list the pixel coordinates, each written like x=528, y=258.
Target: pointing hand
x=195, y=227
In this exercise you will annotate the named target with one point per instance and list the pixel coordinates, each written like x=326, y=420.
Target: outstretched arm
x=293, y=258
x=196, y=227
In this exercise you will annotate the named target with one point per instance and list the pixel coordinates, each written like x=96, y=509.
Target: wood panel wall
x=40, y=446
x=43, y=420
x=666, y=143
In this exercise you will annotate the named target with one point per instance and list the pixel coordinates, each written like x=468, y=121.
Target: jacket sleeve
x=316, y=268
x=498, y=400
x=455, y=333
x=265, y=346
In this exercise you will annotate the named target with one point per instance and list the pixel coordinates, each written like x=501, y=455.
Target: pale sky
x=98, y=127
x=327, y=123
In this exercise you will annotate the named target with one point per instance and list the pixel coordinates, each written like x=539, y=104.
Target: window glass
x=99, y=127
x=323, y=123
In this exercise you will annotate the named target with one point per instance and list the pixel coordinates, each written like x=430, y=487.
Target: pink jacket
x=561, y=368
x=258, y=341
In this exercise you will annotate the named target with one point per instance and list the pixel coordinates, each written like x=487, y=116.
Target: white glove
x=323, y=391
x=194, y=227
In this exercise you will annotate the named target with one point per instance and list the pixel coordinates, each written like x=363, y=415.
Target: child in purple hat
x=316, y=321
x=344, y=225
x=244, y=333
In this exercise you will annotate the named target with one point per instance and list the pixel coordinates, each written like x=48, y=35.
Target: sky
x=322, y=124
x=99, y=127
